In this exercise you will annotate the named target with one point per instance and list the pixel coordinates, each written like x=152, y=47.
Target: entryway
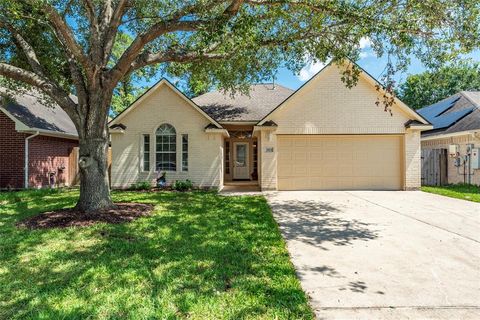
x=241, y=165
x=241, y=155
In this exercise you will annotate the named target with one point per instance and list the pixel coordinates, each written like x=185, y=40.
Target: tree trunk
x=94, y=181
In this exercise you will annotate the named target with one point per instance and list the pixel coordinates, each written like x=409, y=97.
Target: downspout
x=26, y=158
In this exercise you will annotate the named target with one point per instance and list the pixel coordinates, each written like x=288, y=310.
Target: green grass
x=459, y=191
x=199, y=256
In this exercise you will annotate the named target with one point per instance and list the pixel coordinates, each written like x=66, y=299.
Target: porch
x=241, y=186
x=241, y=160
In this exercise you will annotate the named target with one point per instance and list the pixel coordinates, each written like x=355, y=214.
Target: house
x=36, y=142
x=323, y=136
x=454, y=140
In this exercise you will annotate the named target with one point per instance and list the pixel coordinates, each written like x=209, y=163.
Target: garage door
x=339, y=162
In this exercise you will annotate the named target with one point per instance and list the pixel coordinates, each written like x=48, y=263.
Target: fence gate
x=434, y=167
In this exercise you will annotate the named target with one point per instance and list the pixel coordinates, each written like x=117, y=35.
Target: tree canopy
x=70, y=46
x=129, y=87
x=426, y=88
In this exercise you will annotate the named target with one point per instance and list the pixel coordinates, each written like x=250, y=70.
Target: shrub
x=142, y=185
x=182, y=185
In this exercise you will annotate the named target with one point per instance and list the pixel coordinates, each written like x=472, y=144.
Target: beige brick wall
x=326, y=106
x=166, y=106
x=268, y=160
x=412, y=160
x=456, y=174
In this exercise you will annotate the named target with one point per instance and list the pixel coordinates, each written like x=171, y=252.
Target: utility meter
x=453, y=150
x=475, y=158
x=457, y=162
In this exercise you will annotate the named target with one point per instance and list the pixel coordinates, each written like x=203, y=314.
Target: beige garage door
x=339, y=162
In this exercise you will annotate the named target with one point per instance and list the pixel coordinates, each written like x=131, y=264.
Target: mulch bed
x=123, y=212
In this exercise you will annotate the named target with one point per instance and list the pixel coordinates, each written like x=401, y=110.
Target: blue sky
x=368, y=61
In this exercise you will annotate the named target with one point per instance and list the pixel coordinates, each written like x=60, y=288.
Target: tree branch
x=126, y=61
x=65, y=35
x=129, y=56
x=174, y=56
x=26, y=48
x=234, y=7
x=43, y=84
x=90, y=9
x=112, y=28
x=78, y=81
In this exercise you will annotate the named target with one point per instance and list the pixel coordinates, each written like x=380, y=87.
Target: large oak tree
x=61, y=47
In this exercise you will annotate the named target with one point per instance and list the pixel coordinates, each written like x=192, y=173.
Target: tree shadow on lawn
x=199, y=255
x=16, y=206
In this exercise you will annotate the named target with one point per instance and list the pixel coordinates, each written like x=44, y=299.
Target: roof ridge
x=251, y=85
x=464, y=93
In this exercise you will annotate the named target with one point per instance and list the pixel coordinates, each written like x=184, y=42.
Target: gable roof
x=261, y=100
x=30, y=113
x=363, y=75
x=147, y=93
x=457, y=113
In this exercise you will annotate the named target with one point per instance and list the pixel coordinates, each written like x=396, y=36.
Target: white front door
x=241, y=167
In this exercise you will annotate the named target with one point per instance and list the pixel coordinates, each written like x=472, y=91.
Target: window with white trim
x=166, y=148
x=146, y=152
x=184, y=152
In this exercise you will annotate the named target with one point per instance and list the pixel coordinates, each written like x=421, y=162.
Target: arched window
x=166, y=148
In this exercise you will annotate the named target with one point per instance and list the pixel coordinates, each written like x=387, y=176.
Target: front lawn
x=459, y=191
x=198, y=256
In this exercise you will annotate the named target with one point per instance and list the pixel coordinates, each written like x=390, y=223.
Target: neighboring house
x=36, y=143
x=453, y=140
x=322, y=136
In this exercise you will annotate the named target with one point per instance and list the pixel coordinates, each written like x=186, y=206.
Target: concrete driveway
x=383, y=255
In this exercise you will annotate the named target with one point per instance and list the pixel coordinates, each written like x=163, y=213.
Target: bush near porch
x=198, y=256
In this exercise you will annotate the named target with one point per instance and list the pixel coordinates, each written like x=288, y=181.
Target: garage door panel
x=339, y=162
x=300, y=171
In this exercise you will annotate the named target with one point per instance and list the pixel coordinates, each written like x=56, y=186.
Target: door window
x=241, y=160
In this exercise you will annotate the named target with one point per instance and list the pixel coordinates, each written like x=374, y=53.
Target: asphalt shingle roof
x=460, y=112
x=260, y=101
x=29, y=109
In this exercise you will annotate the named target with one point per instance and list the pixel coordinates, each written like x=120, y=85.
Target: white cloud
x=366, y=50
x=365, y=42
x=310, y=69
x=366, y=54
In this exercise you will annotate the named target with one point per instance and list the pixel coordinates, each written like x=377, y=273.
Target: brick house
x=37, y=143
x=323, y=136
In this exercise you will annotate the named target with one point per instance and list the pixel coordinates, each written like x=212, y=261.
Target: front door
x=241, y=167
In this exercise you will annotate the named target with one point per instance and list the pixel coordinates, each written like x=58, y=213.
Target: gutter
x=218, y=130
x=49, y=133
x=26, y=158
x=473, y=133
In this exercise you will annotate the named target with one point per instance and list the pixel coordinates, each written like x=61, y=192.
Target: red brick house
x=37, y=143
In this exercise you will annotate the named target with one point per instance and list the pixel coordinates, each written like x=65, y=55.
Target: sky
x=368, y=60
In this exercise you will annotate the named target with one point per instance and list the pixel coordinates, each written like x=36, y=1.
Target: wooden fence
x=434, y=167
